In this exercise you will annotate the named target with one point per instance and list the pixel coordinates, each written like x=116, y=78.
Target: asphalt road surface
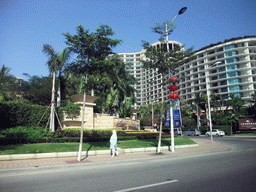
x=233, y=170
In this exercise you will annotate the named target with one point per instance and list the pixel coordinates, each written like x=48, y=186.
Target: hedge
x=18, y=113
x=42, y=135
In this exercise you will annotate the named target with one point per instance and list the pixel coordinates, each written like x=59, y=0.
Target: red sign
x=247, y=124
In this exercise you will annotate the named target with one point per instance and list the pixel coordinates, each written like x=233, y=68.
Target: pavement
x=202, y=146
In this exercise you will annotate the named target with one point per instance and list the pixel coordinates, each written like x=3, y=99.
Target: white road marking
x=146, y=186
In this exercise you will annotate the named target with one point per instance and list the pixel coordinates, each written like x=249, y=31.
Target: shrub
x=41, y=135
x=24, y=135
x=19, y=113
x=71, y=109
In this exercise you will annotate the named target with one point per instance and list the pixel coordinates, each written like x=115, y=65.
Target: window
x=220, y=56
x=223, y=82
x=230, y=53
x=222, y=76
x=233, y=74
x=235, y=88
x=224, y=89
x=232, y=46
x=234, y=81
x=225, y=96
x=222, y=69
x=220, y=49
x=231, y=67
x=215, y=84
x=232, y=60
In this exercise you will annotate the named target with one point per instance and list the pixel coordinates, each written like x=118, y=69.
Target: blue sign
x=167, y=118
x=176, y=114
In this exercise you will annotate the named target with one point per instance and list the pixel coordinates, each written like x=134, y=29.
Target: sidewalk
x=203, y=146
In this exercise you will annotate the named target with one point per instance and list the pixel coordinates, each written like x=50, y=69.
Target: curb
x=87, y=153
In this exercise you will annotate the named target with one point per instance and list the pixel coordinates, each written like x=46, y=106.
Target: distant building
x=221, y=68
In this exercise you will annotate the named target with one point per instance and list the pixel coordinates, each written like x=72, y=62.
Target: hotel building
x=221, y=68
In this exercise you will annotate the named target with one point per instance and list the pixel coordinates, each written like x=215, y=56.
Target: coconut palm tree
x=55, y=63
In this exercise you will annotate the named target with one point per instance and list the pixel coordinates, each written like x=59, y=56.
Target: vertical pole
x=210, y=118
x=52, y=103
x=172, y=129
x=161, y=123
x=166, y=31
x=82, y=126
x=152, y=116
x=209, y=103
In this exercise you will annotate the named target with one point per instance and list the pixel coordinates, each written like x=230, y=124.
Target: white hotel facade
x=221, y=68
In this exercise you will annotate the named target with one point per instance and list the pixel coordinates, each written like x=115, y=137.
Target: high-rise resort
x=221, y=68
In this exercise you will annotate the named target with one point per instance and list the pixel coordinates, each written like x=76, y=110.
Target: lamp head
x=182, y=10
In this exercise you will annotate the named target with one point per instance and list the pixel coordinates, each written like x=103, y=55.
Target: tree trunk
x=52, y=128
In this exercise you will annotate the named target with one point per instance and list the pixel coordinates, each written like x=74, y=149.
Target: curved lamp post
x=208, y=95
x=167, y=29
x=82, y=124
x=181, y=11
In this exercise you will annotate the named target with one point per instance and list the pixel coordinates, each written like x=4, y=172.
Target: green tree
x=163, y=59
x=57, y=63
x=37, y=90
x=72, y=109
x=93, y=49
x=232, y=119
x=235, y=102
x=252, y=107
x=197, y=104
x=217, y=102
x=9, y=85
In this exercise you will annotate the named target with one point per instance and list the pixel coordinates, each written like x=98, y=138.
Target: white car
x=177, y=131
x=215, y=132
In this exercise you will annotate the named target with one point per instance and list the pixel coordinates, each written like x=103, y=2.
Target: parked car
x=215, y=132
x=177, y=131
x=193, y=132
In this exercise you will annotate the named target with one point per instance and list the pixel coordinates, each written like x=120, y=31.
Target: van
x=192, y=132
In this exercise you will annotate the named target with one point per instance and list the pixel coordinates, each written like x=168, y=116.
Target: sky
x=26, y=25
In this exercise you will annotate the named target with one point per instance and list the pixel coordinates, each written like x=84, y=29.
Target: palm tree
x=53, y=66
x=235, y=102
x=217, y=102
x=197, y=104
x=116, y=82
x=112, y=100
x=56, y=62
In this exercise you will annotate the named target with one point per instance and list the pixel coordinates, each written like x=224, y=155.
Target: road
x=233, y=170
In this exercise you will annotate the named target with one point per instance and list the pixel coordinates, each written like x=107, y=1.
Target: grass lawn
x=69, y=147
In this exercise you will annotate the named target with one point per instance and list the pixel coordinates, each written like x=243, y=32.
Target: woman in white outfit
x=113, y=144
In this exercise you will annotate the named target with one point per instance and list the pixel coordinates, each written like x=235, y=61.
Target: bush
x=19, y=113
x=41, y=135
x=24, y=135
x=90, y=132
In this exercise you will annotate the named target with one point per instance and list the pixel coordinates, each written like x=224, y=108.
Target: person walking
x=113, y=143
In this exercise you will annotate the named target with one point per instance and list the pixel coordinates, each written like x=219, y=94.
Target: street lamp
x=181, y=11
x=167, y=31
x=87, y=67
x=208, y=95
